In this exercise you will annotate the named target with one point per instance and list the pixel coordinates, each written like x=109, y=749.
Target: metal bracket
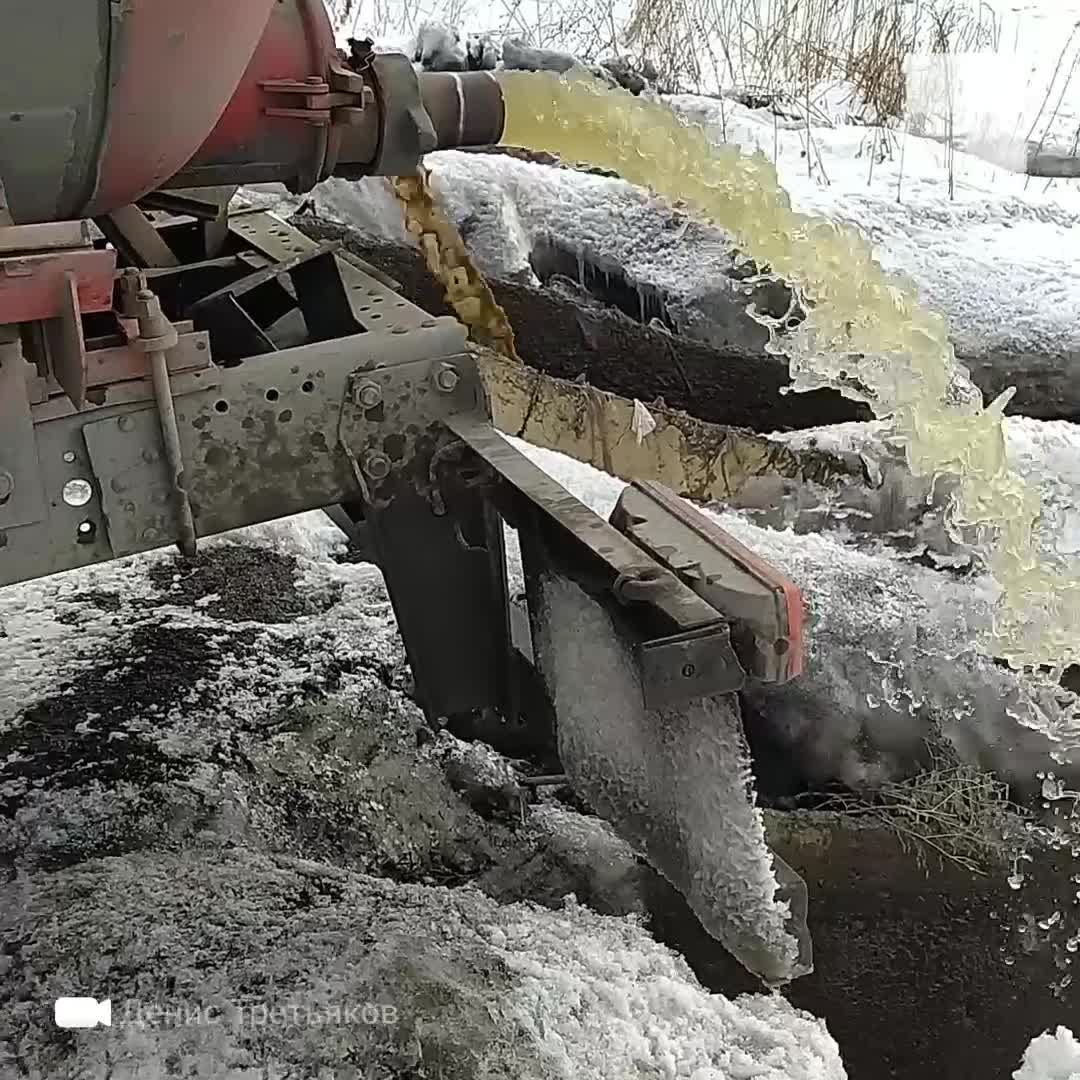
x=686, y=666
x=66, y=344
x=764, y=606
x=681, y=643
x=32, y=286
x=129, y=231
x=373, y=303
x=314, y=101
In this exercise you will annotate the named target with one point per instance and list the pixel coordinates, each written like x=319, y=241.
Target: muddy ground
x=217, y=796
x=243, y=761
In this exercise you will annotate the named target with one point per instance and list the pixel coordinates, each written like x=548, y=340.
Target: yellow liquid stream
x=865, y=333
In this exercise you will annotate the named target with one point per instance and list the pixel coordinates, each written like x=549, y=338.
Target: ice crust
x=676, y=783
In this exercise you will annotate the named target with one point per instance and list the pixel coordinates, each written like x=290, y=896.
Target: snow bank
x=256, y=963
x=999, y=243
x=1051, y=1057
x=194, y=806
x=507, y=210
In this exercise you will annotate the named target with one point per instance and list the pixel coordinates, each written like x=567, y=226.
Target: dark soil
x=87, y=732
x=910, y=972
x=248, y=583
x=613, y=352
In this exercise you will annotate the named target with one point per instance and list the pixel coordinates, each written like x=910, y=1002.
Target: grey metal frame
x=385, y=419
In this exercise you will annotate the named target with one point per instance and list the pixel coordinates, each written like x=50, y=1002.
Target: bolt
x=150, y=535
x=125, y=423
x=367, y=395
x=377, y=466
x=131, y=283
x=689, y=671
x=69, y=456
x=446, y=378
x=7, y=485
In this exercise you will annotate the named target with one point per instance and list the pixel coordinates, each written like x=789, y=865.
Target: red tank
x=102, y=103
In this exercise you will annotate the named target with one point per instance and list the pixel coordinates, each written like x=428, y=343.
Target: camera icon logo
x=82, y=1012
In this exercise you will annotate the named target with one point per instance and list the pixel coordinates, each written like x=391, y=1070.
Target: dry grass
x=772, y=45
x=955, y=812
x=588, y=29
x=784, y=51
x=706, y=46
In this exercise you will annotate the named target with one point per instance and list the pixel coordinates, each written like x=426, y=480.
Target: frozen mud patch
x=564, y=853
x=240, y=583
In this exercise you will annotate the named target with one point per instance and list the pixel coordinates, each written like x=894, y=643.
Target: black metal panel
x=323, y=299
x=234, y=334
x=450, y=601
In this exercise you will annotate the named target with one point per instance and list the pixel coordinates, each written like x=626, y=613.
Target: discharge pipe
x=102, y=103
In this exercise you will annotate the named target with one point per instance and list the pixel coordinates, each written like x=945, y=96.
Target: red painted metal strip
x=32, y=287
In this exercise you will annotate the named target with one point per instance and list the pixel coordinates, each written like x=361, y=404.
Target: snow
x=49, y=629
x=506, y=206
x=1051, y=1057
x=265, y=799
x=477, y=989
x=1000, y=244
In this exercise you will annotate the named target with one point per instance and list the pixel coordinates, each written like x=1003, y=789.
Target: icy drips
x=674, y=783
x=864, y=334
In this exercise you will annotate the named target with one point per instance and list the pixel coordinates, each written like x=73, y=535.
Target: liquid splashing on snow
x=1051, y=1057
x=676, y=783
